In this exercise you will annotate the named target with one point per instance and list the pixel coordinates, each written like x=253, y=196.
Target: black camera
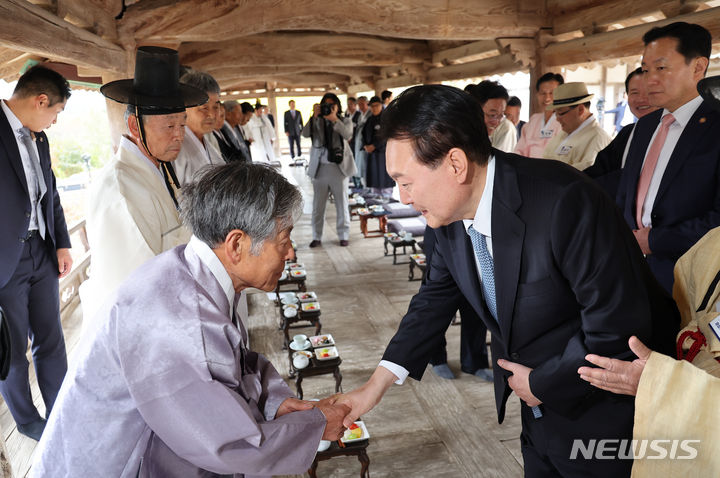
x=326, y=109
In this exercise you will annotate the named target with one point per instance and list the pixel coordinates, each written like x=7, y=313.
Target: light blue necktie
x=39, y=188
x=487, y=271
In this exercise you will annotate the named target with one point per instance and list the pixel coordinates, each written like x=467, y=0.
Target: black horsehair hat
x=709, y=89
x=156, y=88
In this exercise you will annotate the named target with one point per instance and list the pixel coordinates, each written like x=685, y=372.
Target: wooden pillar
x=538, y=69
x=272, y=105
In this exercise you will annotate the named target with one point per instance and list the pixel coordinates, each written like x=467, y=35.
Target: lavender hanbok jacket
x=163, y=386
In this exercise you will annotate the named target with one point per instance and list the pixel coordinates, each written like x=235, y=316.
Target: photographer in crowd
x=331, y=163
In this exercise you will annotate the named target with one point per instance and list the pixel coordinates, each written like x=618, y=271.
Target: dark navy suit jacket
x=688, y=201
x=15, y=201
x=570, y=279
x=607, y=169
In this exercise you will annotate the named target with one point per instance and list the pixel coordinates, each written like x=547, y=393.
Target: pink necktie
x=649, y=167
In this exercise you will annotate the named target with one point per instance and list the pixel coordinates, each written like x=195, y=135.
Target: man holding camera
x=331, y=163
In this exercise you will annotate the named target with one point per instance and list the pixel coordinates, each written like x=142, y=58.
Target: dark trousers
x=294, y=140
x=547, y=442
x=473, y=347
x=31, y=304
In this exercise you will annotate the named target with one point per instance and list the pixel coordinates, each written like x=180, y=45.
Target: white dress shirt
x=682, y=118
x=482, y=224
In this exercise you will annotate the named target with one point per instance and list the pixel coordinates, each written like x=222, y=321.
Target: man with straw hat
x=133, y=214
x=582, y=137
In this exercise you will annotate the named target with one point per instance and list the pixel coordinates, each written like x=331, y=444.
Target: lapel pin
x=702, y=120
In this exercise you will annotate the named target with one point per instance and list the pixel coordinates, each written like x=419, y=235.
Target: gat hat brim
x=709, y=89
x=156, y=87
x=570, y=94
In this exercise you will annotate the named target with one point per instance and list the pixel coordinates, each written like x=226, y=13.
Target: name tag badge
x=565, y=150
x=715, y=326
x=546, y=133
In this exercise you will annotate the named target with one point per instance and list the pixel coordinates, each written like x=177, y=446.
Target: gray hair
x=230, y=105
x=201, y=80
x=251, y=197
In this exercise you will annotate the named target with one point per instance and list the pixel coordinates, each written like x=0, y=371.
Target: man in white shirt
x=582, y=137
x=670, y=187
x=198, y=149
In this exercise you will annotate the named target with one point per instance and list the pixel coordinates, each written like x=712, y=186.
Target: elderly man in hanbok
x=262, y=133
x=582, y=137
x=676, y=400
x=132, y=212
x=165, y=385
x=199, y=147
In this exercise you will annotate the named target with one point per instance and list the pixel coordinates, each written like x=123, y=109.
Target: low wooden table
x=413, y=264
x=298, y=283
x=358, y=448
x=396, y=244
x=287, y=323
x=316, y=367
x=382, y=220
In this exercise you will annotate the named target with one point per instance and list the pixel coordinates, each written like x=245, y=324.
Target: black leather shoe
x=315, y=243
x=344, y=242
x=34, y=429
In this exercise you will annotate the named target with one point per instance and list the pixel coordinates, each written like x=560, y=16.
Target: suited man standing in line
x=293, y=128
x=670, y=187
x=34, y=245
x=544, y=258
x=609, y=162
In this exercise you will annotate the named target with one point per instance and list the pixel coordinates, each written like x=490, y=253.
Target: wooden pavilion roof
x=252, y=46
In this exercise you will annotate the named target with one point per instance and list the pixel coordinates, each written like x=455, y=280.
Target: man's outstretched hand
x=617, y=376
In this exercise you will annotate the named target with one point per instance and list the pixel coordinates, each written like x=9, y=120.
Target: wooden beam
x=469, y=50
x=360, y=87
x=621, y=43
x=29, y=28
x=613, y=11
x=302, y=49
x=238, y=72
x=195, y=20
x=88, y=15
x=317, y=92
x=490, y=66
x=286, y=81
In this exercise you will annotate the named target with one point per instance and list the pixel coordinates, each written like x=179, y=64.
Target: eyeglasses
x=494, y=116
x=570, y=108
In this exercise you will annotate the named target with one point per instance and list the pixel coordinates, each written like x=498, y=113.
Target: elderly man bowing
x=165, y=385
x=132, y=214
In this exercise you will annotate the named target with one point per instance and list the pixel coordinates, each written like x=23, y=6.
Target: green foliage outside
x=82, y=129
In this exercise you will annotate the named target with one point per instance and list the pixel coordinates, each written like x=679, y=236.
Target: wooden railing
x=70, y=284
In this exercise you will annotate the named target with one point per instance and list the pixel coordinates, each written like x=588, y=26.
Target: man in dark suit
x=670, y=187
x=545, y=259
x=232, y=131
x=293, y=128
x=609, y=162
x=34, y=244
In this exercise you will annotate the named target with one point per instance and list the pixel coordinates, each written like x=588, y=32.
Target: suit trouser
x=293, y=140
x=31, y=304
x=473, y=344
x=330, y=178
x=547, y=442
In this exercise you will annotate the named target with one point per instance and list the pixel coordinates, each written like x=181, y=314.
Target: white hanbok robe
x=131, y=218
x=165, y=387
x=196, y=155
x=504, y=137
x=580, y=147
x=261, y=132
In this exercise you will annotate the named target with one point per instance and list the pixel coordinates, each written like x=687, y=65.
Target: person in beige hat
x=582, y=137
